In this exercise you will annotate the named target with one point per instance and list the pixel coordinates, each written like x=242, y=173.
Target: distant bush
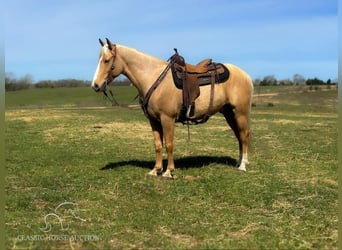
x=61, y=83
x=268, y=80
x=12, y=84
x=314, y=81
x=16, y=86
x=45, y=84
x=26, y=82
x=122, y=82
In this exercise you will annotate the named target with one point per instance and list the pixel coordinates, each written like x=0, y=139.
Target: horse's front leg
x=168, y=124
x=158, y=143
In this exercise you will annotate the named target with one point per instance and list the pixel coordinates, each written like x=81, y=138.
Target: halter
x=114, y=57
x=112, y=99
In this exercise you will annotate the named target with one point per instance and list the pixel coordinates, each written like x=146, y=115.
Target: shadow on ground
x=182, y=163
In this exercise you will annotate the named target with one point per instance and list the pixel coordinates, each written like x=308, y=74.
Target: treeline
x=26, y=82
x=296, y=80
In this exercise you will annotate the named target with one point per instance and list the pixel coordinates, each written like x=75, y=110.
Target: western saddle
x=189, y=78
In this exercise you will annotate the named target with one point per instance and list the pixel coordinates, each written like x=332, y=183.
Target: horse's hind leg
x=244, y=137
x=239, y=122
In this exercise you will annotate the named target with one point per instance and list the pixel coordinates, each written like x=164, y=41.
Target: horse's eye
x=106, y=61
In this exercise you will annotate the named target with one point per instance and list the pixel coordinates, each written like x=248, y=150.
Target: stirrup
x=188, y=112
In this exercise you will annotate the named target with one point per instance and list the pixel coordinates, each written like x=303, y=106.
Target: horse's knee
x=158, y=147
x=169, y=146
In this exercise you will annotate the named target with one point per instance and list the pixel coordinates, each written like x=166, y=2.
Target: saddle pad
x=222, y=76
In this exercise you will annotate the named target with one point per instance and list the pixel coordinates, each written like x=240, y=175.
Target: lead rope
x=112, y=98
x=188, y=125
x=114, y=101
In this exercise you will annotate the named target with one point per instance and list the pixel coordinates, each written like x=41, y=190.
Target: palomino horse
x=232, y=98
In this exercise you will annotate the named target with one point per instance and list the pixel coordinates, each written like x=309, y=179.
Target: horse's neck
x=141, y=69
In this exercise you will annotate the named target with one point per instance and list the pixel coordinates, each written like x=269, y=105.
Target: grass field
x=70, y=145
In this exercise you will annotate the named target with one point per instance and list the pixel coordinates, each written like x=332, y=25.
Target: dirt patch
x=266, y=94
x=187, y=240
x=124, y=129
x=191, y=178
x=244, y=232
x=34, y=115
x=285, y=121
x=330, y=182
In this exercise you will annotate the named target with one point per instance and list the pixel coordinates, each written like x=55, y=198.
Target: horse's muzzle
x=97, y=88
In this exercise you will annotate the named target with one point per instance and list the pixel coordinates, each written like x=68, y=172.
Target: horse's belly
x=202, y=103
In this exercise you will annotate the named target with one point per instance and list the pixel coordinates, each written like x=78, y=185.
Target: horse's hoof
x=242, y=168
x=169, y=176
x=153, y=173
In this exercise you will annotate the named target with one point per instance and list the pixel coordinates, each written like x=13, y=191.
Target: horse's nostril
x=96, y=87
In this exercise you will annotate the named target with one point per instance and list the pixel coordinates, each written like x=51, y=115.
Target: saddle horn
x=109, y=44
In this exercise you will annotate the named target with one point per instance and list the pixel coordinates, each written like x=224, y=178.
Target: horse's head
x=108, y=67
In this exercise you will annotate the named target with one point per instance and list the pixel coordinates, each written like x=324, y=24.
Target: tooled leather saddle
x=189, y=78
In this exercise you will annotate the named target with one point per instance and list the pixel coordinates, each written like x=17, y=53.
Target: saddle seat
x=205, y=62
x=199, y=68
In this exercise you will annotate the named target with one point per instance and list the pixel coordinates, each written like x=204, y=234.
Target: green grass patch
x=97, y=157
x=74, y=97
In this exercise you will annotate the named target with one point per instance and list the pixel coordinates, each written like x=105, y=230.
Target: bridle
x=108, y=81
x=111, y=47
x=111, y=98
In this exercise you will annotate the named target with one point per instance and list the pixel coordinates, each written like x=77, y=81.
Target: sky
x=53, y=40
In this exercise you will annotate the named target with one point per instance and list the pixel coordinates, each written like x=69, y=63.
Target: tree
x=298, y=79
x=9, y=78
x=285, y=82
x=26, y=80
x=314, y=81
x=12, y=84
x=269, y=80
x=256, y=81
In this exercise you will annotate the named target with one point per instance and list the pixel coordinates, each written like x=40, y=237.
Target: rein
x=111, y=99
x=114, y=102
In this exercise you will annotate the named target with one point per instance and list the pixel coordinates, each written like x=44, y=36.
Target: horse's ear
x=102, y=43
x=109, y=44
